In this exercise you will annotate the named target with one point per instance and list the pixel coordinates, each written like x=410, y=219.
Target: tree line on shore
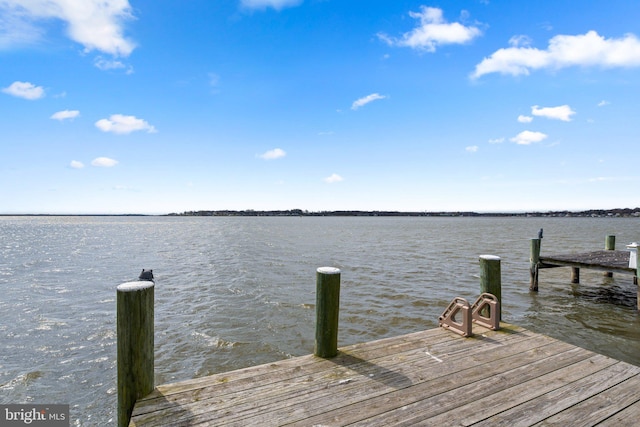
x=593, y=213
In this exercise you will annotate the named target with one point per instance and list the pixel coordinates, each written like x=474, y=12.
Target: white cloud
x=96, y=24
x=24, y=90
x=525, y=119
x=263, y=4
x=496, y=141
x=15, y=32
x=276, y=153
x=111, y=64
x=104, y=162
x=121, y=124
x=563, y=112
x=603, y=103
x=333, y=179
x=76, y=164
x=472, y=149
x=520, y=41
x=585, y=50
x=528, y=137
x=365, y=100
x=65, y=115
x=433, y=31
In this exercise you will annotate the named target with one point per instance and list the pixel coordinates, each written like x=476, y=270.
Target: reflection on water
x=235, y=292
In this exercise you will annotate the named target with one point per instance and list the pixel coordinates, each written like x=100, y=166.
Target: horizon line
x=343, y=212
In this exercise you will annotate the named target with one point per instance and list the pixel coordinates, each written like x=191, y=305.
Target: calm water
x=234, y=292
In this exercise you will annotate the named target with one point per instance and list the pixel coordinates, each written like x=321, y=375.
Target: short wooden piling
x=327, y=311
x=609, y=245
x=490, y=277
x=575, y=275
x=135, y=345
x=534, y=264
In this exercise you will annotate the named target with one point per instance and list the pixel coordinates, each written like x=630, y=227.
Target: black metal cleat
x=146, y=275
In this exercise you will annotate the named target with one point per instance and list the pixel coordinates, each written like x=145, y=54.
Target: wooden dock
x=609, y=260
x=613, y=261
x=510, y=377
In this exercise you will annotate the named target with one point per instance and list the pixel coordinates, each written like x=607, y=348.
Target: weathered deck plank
x=431, y=377
x=556, y=401
x=575, y=363
x=429, y=400
x=626, y=417
x=315, y=373
x=600, y=407
x=425, y=378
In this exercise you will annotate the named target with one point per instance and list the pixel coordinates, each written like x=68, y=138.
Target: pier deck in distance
x=616, y=261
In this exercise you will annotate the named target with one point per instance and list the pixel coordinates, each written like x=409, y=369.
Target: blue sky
x=159, y=106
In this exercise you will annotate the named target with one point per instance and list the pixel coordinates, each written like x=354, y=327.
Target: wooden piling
x=135, y=345
x=636, y=279
x=490, y=277
x=327, y=311
x=609, y=245
x=575, y=275
x=534, y=264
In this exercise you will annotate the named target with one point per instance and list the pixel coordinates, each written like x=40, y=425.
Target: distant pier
x=609, y=260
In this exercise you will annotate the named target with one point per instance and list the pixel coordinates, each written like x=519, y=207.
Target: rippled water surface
x=234, y=292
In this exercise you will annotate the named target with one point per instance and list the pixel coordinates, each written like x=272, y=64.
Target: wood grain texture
x=507, y=377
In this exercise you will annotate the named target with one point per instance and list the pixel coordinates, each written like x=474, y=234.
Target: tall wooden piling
x=327, y=311
x=135, y=345
x=534, y=264
x=609, y=245
x=491, y=277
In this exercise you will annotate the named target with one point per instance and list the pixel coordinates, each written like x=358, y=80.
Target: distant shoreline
x=592, y=213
